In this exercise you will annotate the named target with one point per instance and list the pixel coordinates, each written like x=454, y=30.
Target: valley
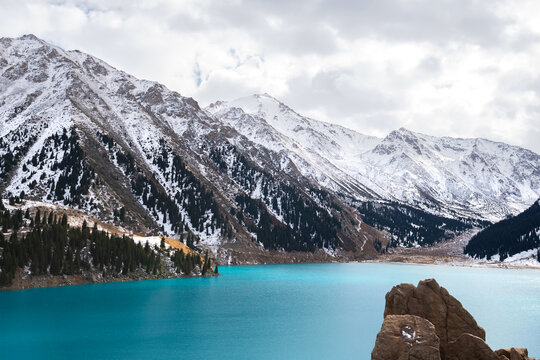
x=248, y=181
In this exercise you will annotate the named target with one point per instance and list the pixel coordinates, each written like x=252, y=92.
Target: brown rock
x=433, y=302
x=468, y=347
x=406, y=337
x=514, y=353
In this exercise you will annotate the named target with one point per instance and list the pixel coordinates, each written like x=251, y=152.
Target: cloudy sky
x=442, y=67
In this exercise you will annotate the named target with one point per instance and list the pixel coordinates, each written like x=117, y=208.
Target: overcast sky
x=450, y=67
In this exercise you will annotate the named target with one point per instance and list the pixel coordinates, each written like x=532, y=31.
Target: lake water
x=307, y=311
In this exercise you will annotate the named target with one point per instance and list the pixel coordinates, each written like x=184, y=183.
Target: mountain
x=77, y=132
x=319, y=150
x=517, y=237
x=471, y=178
x=251, y=179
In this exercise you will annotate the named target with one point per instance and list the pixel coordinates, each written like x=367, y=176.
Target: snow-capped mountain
x=317, y=149
x=78, y=132
x=454, y=177
x=250, y=179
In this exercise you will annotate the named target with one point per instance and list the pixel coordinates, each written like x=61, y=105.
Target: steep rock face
x=406, y=337
x=78, y=132
x=434, y=303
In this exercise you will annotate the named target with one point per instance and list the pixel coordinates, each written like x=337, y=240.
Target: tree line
x=49, y=246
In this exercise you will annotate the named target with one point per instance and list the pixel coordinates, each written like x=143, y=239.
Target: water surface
x=307, y=311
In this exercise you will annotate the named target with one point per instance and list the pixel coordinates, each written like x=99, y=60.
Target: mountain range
x=251, y=179
x=469, y=177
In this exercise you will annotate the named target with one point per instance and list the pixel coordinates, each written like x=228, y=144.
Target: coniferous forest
x=44, y=244
x=411, y=227
x=508, y=237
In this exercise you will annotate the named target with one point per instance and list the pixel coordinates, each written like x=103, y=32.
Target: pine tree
x=206, y=265
x=37, y=219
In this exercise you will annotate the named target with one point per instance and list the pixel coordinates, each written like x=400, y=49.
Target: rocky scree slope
x=78, y=132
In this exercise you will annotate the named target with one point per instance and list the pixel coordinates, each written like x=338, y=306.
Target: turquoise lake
x=307, y=311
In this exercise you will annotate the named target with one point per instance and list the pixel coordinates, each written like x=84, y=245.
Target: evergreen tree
x=206, y=264
x=37, y=220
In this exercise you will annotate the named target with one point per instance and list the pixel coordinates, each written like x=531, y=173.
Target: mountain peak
x=401, y=133
x=30, y=37
x=26, y=39
x=265, y=95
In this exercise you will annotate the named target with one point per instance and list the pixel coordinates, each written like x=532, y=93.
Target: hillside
x=515, y=238
x=77, y=132
x=46, y=245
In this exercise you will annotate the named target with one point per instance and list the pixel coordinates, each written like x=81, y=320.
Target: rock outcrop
x=434, y=303
x=467, y=347
x=514, y=353
x=427, y=323
x=406, y=337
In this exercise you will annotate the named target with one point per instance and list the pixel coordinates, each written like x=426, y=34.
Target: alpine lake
x=300, y=311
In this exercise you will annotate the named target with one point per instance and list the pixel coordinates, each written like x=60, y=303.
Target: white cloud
x=458, y=68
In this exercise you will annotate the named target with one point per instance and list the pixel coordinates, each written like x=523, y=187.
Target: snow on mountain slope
x=332, y=140
x=78, y=132
x=47, y=91
x=453, y=177
x=469, y=176
x=317, y=149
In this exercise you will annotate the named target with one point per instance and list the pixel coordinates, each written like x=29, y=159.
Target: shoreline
x=471, y=264
x=46, y=281
x=395, y=261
